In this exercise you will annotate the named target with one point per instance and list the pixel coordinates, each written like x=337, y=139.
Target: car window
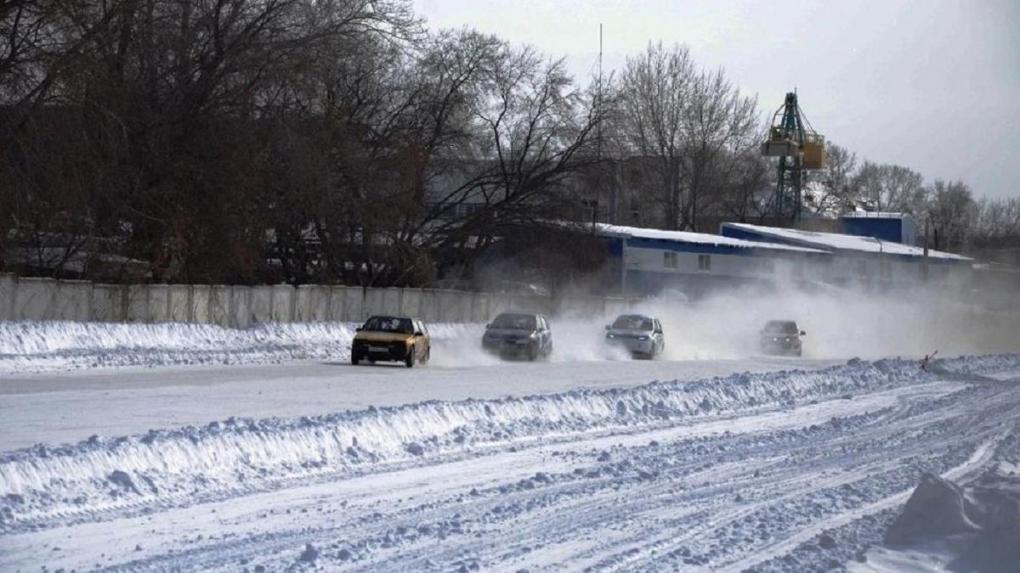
x=781, y=327
x=389, y=324
x=633, y=322
x=515, y=321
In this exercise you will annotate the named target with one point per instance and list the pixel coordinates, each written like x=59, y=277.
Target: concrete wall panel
x=375, y=302
x=430, y=311
x=108, y=303
x=260, y=307
x=392, y=300
x=311, y=303
x=138, y=303
x=73, y=301
x=200, y=295
x=283, y=303
x=410, y=302
x=8, y=292
x=242, y=306
x=179, y=303
x=479, y=307
x=159, y=303
x=354, y=304
x=337, y=298
x=219, y=306
x=35, y=299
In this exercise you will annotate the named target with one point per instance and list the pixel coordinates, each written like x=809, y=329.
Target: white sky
x=930, y=84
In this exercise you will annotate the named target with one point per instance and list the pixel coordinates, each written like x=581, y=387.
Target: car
x=518, y=334
x=781, y=337
x=393, y=338
x=641, y=335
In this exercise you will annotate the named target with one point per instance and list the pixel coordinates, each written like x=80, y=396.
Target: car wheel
x=409, y=360
x=428, y=355
x=533, y=352
x=355, y=359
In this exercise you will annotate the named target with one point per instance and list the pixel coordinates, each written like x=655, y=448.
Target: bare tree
x=952, y=213
x=891, y=188
x=720, y=126
x=838, y=188
x=655, y=88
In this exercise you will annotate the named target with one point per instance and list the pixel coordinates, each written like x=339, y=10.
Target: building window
x=669, y=260
x=704, y=262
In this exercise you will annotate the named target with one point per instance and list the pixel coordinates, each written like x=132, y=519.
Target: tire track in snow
x=566, y=520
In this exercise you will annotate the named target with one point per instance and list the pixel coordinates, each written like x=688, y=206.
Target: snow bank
x=45, y=346
x=166, y=466
x=946, y=527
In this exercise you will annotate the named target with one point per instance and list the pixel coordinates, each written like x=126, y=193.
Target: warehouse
x=863, y=260
x=648, y=261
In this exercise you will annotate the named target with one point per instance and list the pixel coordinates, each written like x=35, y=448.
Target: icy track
x=788, y=471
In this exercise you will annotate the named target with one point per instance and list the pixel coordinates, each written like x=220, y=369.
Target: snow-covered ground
x=286, y=457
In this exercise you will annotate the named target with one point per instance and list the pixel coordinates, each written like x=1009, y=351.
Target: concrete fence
x=241, y=306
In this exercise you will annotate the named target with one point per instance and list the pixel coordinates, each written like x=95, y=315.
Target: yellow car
x=393, y=338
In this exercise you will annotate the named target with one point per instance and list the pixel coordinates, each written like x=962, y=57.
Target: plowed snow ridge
x=54, y=345
x=238, y=455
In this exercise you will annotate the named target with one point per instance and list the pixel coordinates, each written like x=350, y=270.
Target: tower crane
x=799, y=148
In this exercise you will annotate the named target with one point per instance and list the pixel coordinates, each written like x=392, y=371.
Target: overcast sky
x=930, y=84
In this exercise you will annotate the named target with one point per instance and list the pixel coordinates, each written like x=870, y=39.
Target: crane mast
x=798, y=148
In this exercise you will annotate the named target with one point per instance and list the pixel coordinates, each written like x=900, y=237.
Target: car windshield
x=515, y=321
x=781, y=327
x=629, y=322
x=389, y=324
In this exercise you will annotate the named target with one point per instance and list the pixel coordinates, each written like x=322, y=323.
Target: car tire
x=355, y=359
x=428, y=355
x=533, y=352
x=409, y=359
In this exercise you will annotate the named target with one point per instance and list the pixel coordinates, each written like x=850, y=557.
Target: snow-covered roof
x=875, y=215
x=691, y=237
x=841, y=242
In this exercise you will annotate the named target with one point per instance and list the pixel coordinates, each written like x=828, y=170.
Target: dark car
x=781, y=337
x=518, y=334
x=395, y=338
x=641, y=335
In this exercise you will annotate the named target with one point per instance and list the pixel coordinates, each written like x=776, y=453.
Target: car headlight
x=642, y=337
x=610, y=335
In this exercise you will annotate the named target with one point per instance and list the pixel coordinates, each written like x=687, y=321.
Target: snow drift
x=948, y=527
x=58, y=345
x=170, y=466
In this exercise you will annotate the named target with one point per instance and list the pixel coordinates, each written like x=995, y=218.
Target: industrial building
x=863, y=260
x=646, y=261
